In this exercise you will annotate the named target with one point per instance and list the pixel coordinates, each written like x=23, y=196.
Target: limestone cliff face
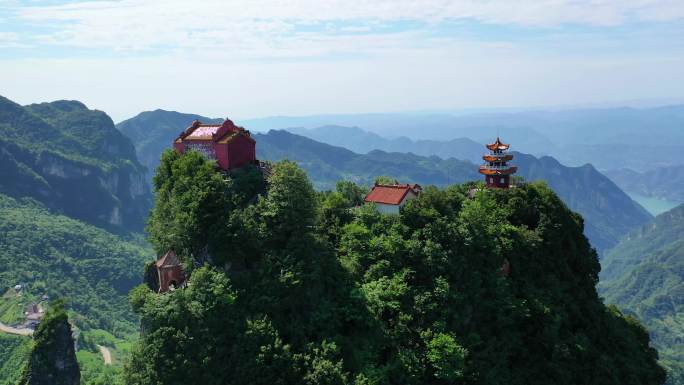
x=53, y=358
x=74, y=161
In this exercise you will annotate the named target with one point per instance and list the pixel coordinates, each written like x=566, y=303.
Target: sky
x=255, y=58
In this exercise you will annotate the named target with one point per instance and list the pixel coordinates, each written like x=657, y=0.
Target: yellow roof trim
x=228, y=138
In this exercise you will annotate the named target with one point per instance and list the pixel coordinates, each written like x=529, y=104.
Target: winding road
x=106, y=354
x=17, y=331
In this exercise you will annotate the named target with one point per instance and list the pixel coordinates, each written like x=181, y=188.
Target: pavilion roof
x=168, y=260
x=498, y=145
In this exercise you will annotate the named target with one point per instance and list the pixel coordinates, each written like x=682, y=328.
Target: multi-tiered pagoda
x=496, y=169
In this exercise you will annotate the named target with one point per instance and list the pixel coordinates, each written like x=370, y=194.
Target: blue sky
x=265, y=57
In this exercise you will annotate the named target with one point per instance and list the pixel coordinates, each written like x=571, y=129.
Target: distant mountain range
x=608, y=138
x=362, y=141
x=647, y=126
x=73, y=160
x=644, y=274
x=328, y=164
x=609, y=213
x=664, y=182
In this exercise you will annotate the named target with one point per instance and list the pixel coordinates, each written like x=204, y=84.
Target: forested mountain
x=360, y=141
x=299, y=287
x=57, y=256
x=69, y=182
x=608, y=212
x=66, y=258
x=644, y=274
x=73, y=160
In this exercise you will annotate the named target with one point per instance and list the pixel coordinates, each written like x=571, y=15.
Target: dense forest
x=292, y=286
x=14, y=353
x=91, y=269
x=643, y=275
x=64, y=258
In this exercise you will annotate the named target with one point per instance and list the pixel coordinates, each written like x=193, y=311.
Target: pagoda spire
x=496, y=169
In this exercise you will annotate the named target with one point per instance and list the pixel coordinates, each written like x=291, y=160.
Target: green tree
x=383, y=179
x=352, y=192
x=288, y=211
x=446, y=356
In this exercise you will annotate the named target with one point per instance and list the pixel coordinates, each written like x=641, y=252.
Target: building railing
x=488, y=167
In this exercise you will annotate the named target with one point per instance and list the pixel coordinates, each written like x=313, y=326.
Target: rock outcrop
x=53, y=358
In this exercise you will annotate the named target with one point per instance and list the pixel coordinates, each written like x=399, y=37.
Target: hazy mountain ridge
x=644, y=274
x=74, y=161
x=608, y=212
x=609, y=138
x=326, y=164
x=663, y=182
x=362, y=142
x=620, y=125
x=418, y=127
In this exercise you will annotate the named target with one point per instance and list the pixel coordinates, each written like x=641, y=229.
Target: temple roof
x=203, y=131
x=216, y=132
x=498, y=145
x=391, y=194
x=168, y=260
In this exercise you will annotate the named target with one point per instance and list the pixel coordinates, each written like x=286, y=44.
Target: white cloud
x=265, y=57
x=253, y=28
x=10, y=40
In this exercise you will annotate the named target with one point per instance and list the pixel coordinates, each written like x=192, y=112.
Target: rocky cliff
x=74, y=161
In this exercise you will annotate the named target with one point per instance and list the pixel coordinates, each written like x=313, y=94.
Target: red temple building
x=231, y=146
x=170, y=274
x=496, y=169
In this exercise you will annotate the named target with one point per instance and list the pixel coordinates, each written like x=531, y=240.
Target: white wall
x=394, y=209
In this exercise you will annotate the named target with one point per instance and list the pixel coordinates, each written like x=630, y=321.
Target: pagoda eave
x=497, y=158
x=508, y=171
